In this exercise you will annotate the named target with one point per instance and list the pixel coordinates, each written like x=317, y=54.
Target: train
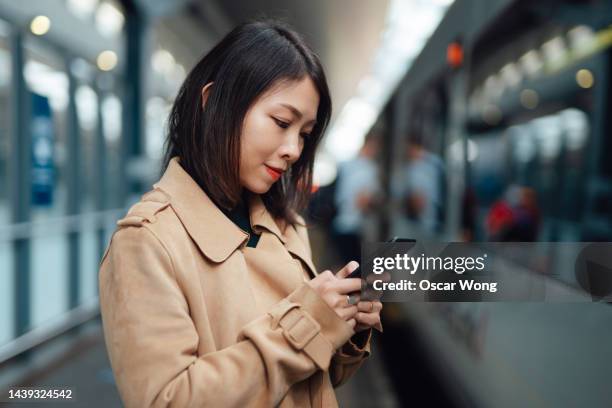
x=512, y=98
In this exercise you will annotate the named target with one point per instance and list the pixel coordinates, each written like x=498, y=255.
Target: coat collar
x=214, y=233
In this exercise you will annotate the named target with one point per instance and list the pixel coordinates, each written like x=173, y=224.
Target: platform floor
x=82, y=363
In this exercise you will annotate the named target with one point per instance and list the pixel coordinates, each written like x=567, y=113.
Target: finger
x=345, y=286
x=347, y=301
x=353, y=299
x=352, y=323
x=370, y=307
x=365, y=306
x=327, y=274
x=348, y=268
x=369, y=319
x=347, y=313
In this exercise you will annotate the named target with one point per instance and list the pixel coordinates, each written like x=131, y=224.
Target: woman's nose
x=291, y=148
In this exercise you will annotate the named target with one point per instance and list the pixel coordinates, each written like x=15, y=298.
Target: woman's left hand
x=368, y=315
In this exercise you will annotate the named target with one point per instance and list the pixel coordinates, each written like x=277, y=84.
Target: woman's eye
x=281, y=123
x=305, y=135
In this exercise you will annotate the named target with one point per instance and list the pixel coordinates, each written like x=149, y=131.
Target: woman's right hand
x=334, y=290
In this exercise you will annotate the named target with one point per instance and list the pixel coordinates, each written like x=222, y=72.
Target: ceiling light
x=107, y=60
x=40, y=25
x=531, y=63
x=585, y=78
x=163, y=62
x=109, y=20
x=82, y=8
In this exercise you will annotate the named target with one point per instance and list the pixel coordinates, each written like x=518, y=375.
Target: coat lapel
x=287, y=234
x=215, y=234
x=297, y=247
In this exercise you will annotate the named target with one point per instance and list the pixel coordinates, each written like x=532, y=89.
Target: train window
x=524, y=152
x=538, y=163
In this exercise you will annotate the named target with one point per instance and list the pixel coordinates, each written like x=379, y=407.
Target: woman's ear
x=205, y=93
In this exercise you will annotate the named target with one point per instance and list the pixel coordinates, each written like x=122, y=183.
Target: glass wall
x=86, y=100
x=70, y=125
x=111, y=127
x=47, y=81
x=6, y=254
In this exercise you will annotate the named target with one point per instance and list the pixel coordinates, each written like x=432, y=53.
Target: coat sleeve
x=348, y=358
x=152, y=341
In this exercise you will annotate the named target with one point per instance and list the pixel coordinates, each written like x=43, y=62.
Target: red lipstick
x=273, y=172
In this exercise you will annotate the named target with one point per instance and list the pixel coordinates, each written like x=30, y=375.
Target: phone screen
x=357, y=272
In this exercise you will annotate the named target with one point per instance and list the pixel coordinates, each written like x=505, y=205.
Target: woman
x=208, y=292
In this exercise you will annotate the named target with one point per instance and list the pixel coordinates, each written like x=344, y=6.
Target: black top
x=240, y=216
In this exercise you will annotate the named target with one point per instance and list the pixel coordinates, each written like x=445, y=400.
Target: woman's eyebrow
x=295, y=111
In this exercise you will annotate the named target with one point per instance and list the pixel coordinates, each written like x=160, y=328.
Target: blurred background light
x=454, y=151
x=408, y=26
x=494, y=87
x=532, y=63
x=454, y=55
x=555, y=52
x=576, y=125
x=157, y=111
x=5, y=67
x=511, y=75
x=547, y=131
x=524, y=147
x=107, y=60
x=111, y=117
x=45, y=80
x=325, y=170
x=83, y=9
x=529, y=98
x=346, y=137
x=40, y=25
x=585, y=78
x=491, y=115
x=472, y=150
x=109, y=19
x=163, y=62
x=581, y=39
x=87, y=106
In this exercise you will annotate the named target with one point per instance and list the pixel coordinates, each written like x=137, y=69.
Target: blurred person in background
x=421, y=185
x=469, y=206
x=358, y=191
x=208, y=293
x=515, y=217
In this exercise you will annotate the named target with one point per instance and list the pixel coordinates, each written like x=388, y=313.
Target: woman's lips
x=273, y=172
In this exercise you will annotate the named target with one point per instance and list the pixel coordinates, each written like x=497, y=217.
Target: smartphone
x=357, y=272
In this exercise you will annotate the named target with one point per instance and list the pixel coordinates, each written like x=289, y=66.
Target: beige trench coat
x=194, y=318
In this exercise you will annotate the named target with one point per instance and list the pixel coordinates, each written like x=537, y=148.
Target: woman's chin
x=259, y=188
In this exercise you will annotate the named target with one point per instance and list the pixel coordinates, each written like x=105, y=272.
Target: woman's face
x=274, y=131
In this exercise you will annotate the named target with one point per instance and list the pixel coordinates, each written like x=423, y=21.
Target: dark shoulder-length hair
x=250, y=60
